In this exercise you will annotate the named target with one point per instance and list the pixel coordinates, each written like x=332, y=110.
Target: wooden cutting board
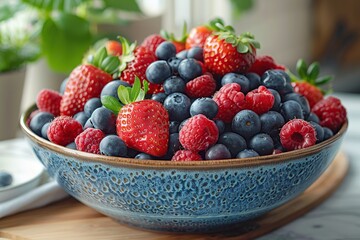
x=70, y=219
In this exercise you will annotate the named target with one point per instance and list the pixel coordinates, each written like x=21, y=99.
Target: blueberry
x=182, y=54
x=182, y=124
x=131, y=153
x=291, y=109
x=178, y=106
x=262, y=143
x=277, y=100
x=319, y=132
x=233, y=141
x=247, y=153
x=271, y=122
x=88, y=124
x=39, y=120
x=173, y=146
x=91, y=105
x=103, y=119
x=254, y=80
x=196, y=53
x=165, y=50
x=218, y=151
x=44, y=130
x=159, y=97
x=313, y=118
x=301, y=100
x=174, y=84
x=237, y=78
x=81, y=117
x=328, y=133
x=205, y=106
x=189, y=69
x=246, y=123
x=174, y=63
x=278, y=80
x=173, y=127
x=71, y=145
x=111, y=89
x=112, y=145
x=5, y=178
x=143, y=156
x=63, y=86
x=220, y=125
x=158, y=71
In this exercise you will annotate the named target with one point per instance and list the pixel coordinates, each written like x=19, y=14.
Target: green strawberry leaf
x=110, y=64
x=323, y=80
x=313, y=71
x=146, y=87
x=242, y=48
x=135, y=90
x=301, y=68
x=123, y=95
x=99, y=56
x=111, y=103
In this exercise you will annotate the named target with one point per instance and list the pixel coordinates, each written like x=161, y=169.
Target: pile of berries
x=206, y=97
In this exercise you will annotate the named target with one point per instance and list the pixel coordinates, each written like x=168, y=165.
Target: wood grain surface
x=70, y=219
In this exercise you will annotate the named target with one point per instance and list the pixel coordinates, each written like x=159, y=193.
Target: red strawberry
x=264, y=63
x=152, y=42
x=197, y=36
x=135, y=63
x=259, y=100
x=202, y=86
x=297, y=134
x=230, y=101
x=186, y=155
x=49, y=101
x=114, y=48
x=63, y=130
x=331, y=112
x=312, y=93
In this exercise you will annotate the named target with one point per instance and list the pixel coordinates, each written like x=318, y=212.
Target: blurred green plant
x=241, y=6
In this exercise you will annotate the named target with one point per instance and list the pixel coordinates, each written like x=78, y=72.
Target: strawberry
x=151, y=42
x=114, y=48
x=224, y=52
x=142, y=124
x=87, y=80
x=197, y=36
x=308, y=83
x=134, y=62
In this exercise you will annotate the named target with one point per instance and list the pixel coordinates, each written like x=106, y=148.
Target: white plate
x=26, y=173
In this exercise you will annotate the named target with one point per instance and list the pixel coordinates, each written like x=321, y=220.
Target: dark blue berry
x=71, y=145
x=174, y=63
x=159, y=97
x=111, y=89
x=205, y=106
x=81, y=117
x=277, y=100
x=313, y=118
x=218, y=151
x=178, y=106
x=196, y=53
x=39, y=120
x=246, y=123
x=189, y=69
x=173, y=127
x=88, y=124
x=220, y=125
x=165, y=50
x=233, y=141
x=112, y=145
x=44, y=130
x=319, y=132
x=247, y=153
x=158, y=71
x=5, y=178
x=278, y=80
x=91, y=105
x=271, y=122
x=262, y=143
x=301, y=100
x=173, y=146
x=104, y=119
x=131, y=153
x=182, y=54
x=174, y=84
x=63, y=86
x=237, y=78
x=182, y=124
x=144, y=156
x=254, y=80
x=291, y=109
x=328, y=133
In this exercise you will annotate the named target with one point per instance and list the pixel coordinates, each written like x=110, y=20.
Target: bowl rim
x=161, y=164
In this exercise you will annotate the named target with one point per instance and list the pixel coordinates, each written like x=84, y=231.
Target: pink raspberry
x=259, y=100
x=186, y=155
x=89, y=140
x=198, y=133
x=297, y=134
x=63, y=130
x=202, y=86
x=230, y=101
x=49, y=101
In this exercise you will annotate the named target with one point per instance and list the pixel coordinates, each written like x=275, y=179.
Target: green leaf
x=313, y=71
x=125, y=5
x=123, y=94
x=135, y=90
x=241, y=6
x=7, y=11
x=110, y=64
x=323, y=80
x=99, y=56
x=242, y=48
x=52, y=5
x=301, y=68
x=145, y=87
x=111, y=103
x=64, y=41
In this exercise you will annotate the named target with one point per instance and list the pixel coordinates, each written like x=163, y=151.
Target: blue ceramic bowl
x=199, y=196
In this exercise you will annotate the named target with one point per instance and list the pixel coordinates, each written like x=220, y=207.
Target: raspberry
x=185, y=155
x=331, y=112
x=203, y=86
x=297, y=134
x=63, y=130
x=49, y=101
x=264, y=63
x=198, y=133
x=230, y=101
x=260, y=100
x=89, y=140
